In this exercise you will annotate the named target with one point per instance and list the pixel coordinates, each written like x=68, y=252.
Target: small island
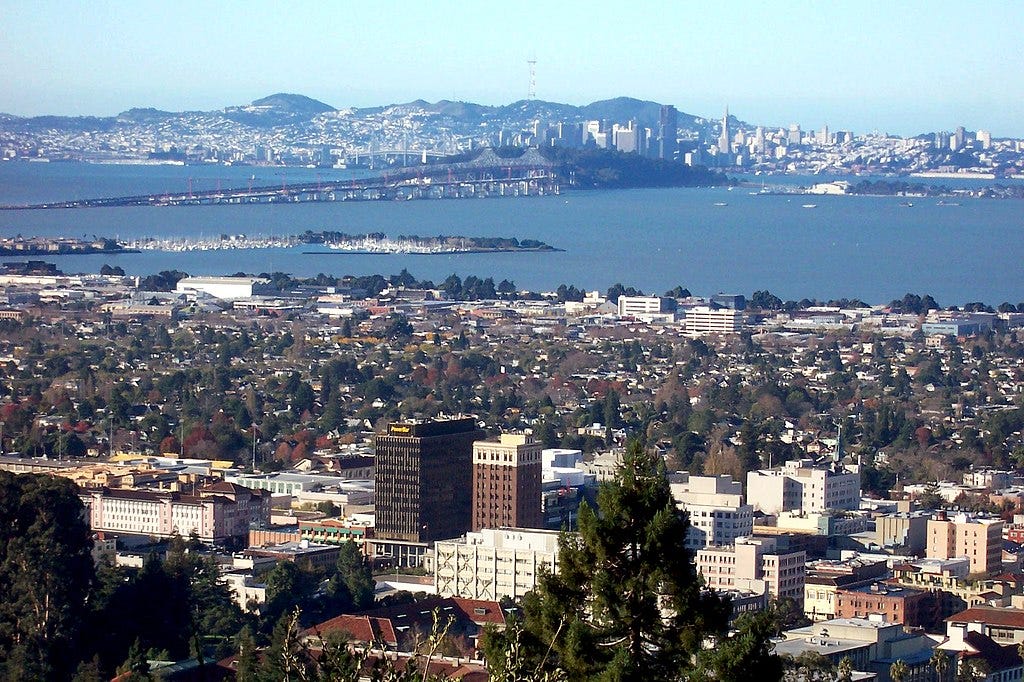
x=58, y=246
x=380, y=243
x=339, y=242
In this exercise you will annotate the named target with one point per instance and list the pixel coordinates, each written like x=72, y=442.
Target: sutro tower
x=533, y=77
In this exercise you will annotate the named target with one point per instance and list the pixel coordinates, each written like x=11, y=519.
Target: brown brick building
x=507, y=483
x=916, y=608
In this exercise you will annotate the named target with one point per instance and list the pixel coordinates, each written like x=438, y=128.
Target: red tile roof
x=1001, y=617
x=363, y=629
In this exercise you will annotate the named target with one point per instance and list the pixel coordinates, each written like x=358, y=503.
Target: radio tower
x=533, y=77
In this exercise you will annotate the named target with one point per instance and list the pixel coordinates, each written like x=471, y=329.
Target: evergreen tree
x=747, y=655
x=248, y=662
x=137, y=664
x=46, y=572
x=352, y=585
x=626, y=603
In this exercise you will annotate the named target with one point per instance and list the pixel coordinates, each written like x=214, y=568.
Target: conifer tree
x=626, y=603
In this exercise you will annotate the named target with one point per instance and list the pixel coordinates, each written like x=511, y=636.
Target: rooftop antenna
x=533, y=77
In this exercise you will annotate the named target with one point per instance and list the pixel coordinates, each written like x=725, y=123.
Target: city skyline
x=905, y=69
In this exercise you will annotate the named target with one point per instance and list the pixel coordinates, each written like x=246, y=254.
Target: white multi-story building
x=718, y=515
x=804, y=487
x=991, y=479
x=707, y=320
x=226, y=288
x=754, y=564
x=638, y=306
x=222, y=512
x=494, y=563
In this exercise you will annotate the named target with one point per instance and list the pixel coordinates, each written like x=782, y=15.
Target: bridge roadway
x=448, y=181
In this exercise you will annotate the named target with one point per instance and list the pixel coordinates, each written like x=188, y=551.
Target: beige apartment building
x=980, y=540
x=754, y=564
x=494, y=563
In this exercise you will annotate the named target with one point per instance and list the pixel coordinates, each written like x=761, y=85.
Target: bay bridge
x=487, y=175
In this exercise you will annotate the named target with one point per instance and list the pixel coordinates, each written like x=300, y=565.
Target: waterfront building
x=724, y=138
x=494, y=563
x=626, y=138
x=639, y=306
x=424, y=486
x=730, y=301
x=794, y=138
x=668, y=132
x=507, y=482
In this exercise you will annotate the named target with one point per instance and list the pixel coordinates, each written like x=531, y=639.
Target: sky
x=900, y=66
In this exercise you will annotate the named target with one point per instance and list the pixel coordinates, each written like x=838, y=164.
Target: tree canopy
x=626, y=602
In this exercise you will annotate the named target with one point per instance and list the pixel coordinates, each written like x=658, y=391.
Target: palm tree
x=898, y=671
x=940, y=664
x=844, y=671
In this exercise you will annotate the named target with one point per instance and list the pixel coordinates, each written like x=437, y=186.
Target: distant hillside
x=293, y=119
x=283, y=109
x=276, y=110
x=147, y=115
x=297, y=104
x=76, y=124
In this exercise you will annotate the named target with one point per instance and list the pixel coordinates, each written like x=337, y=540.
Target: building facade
x=219, y=513
x=715, y=505
x=756, y=564
x=494, y=563
x=507, y=483
x=637, y=306
x=424, y=485
x=805, y=487
x=895, y=604
x=708, y=320
x=980, y=540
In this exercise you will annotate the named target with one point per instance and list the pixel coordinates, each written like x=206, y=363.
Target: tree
x=940, y=664
x=972, y=670
x=46, y=571
x=626, y=602
x=844, y=671
x=898, y=671
x=136, y=664
x=352, y=585
x=747, y=655
x=248, y=662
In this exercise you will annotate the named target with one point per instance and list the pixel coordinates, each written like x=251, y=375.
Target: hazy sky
x=898, y=66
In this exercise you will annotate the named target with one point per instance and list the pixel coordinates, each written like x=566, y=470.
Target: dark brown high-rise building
x=423, y=490
x=507, y=483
